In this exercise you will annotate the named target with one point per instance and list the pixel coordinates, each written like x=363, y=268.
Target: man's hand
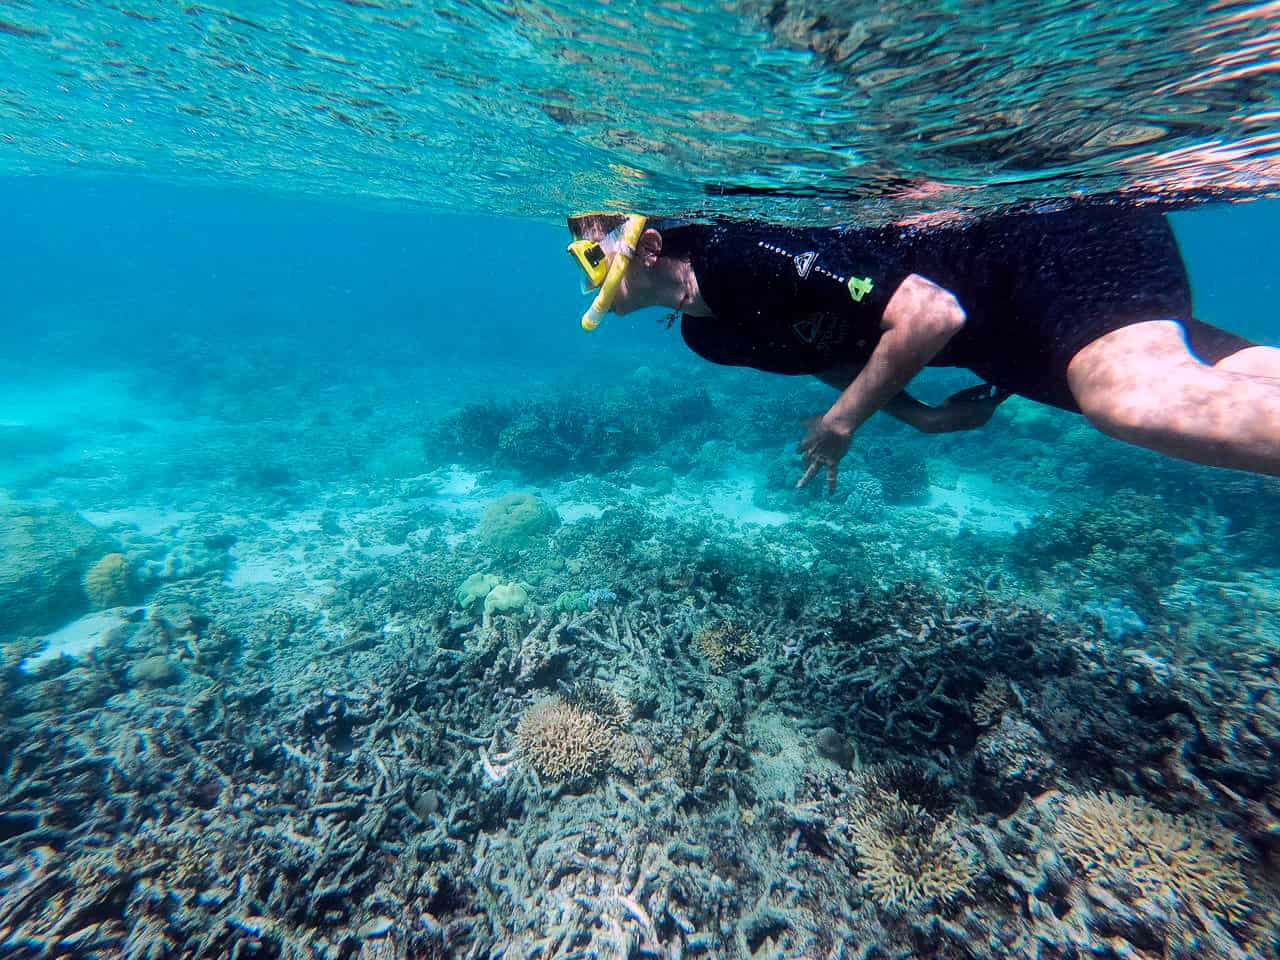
x=824, y=445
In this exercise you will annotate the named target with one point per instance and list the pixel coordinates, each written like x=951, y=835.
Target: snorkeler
x=1086, y=309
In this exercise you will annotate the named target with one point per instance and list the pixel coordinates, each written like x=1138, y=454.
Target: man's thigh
x=1138, y=377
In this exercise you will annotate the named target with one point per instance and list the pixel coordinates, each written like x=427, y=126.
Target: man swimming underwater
x=1087, y=309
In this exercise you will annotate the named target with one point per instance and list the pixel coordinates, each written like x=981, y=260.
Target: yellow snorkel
x=631, y=231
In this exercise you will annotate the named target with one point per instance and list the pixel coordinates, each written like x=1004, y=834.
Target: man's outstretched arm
x=918, y=321
x=966, y=409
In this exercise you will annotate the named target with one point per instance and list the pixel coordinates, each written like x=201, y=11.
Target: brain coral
x=1115, y=838
x=107, y=582
x=511, y=521
x=561, y=740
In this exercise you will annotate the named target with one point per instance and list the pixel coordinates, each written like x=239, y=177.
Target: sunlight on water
x=811, y=111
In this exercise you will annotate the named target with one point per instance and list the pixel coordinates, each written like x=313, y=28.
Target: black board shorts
x=1053, y=284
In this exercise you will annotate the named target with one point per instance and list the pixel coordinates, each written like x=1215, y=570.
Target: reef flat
x=510, y=675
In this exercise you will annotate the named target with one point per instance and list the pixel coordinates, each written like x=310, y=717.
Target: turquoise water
x=790, y=110
x=355, y=603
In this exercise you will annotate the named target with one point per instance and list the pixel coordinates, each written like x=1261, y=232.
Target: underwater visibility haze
x=355, y=603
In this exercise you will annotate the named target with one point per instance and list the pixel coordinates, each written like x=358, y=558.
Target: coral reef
x=512, y=522
x=108, y=583
x=724, y=645
x=1124, y=841
x=44, y=554
x=827, y=729
x=562, y=739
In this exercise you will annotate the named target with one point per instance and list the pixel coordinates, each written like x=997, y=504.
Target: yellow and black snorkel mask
x=604, y=263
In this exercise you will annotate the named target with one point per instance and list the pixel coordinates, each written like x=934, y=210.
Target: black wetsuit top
x=1035, y=288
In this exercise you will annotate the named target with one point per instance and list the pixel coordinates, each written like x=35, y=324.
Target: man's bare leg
x=1252, y=361
x=1142, y=384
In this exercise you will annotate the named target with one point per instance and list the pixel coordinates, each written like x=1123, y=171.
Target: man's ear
x=649, y=248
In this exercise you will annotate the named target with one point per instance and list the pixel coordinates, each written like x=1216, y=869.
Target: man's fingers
x=832, y=471
x=809, y=474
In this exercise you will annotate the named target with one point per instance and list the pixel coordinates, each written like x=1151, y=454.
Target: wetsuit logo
x=810, y=328
x=804, y=263
x=859, y=287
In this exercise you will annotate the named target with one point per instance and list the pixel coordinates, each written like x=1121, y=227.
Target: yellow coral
x=723, y=643
x=907, y=859
x=561, y=740
x=107, y=582
x=1122, y=838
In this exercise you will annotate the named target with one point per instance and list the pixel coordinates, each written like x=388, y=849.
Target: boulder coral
x=108, y=582
x=512, y=522
x=475, y=588
x=505, y=598
x=43, y=558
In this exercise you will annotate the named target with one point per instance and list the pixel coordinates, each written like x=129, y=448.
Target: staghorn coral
x=1125, y=839
x=562, y=740
x=726, y=644
x=908, y=859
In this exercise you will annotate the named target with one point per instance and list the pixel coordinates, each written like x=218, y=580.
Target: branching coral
x=562, y=740
x=604, y=702
x=724, y=644
x=907, y=780
x=908, y=859
x=990, y=704
x=1125, y=839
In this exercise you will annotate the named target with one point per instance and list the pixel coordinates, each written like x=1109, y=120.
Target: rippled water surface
x=805, y=110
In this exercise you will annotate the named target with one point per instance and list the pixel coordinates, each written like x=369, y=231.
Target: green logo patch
x=859, y=287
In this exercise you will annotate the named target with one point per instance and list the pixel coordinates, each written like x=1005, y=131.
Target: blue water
x=355, y=603
x=157, y=258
